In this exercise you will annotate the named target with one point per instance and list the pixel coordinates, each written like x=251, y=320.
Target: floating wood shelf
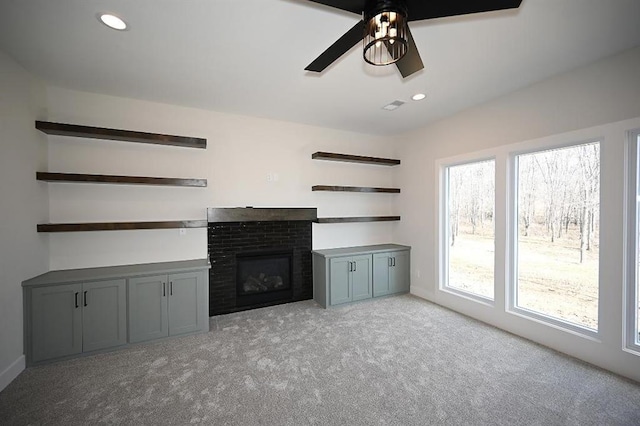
x=62, y=129
x=357, y=219
x=124, y=180
x=354, y=158
x=119, y=226
x=354, y=189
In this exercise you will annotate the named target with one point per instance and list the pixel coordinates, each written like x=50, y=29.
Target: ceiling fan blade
x=337, y=49
x=411, y=61
x=355, y=6
x=420, y=9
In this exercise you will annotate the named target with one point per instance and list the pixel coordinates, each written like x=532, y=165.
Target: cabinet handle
x=77, y=300
x=394, y=261
x=355, y=266
x=164, y=289
x=390, y=262
x=85, y=298
x=171, y=288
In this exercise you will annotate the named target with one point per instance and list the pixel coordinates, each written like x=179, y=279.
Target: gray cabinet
x=185, y=314
x=104, y=314
x=148, y=316
x=390, y=272
x=339, y=277
x=71, y=312
x=350, y=279
x=355, y=273
x=166, y=305
x=56, y=322
x=74, y=318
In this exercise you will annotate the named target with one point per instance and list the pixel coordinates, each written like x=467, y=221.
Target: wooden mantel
x=261, y=214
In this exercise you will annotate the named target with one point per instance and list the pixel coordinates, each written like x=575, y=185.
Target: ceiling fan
x=384, y=31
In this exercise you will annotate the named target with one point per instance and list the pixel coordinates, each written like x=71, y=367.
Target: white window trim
x=631, y=242
x=443, y=227
x=512, y=224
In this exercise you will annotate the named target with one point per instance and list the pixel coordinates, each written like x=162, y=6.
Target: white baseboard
x=11, y=372
x=420, y=292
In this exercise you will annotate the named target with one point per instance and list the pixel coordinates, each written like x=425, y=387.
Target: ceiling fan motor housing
x=375, y=7
x=385, y=31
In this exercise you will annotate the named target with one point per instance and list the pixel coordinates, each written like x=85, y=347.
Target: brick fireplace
x=259, y=257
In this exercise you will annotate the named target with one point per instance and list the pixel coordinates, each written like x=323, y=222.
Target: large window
x=633, y=244
x=556, y=240
x=469, y=234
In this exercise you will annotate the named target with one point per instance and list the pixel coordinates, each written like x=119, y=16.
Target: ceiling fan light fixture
x=385, y=32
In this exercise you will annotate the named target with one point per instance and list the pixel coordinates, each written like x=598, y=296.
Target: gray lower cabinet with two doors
x=71, y=312
x=356, y=273
x=164, y=305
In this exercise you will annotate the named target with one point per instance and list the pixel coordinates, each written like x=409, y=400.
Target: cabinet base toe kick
x=351, y=274
x=86, y=311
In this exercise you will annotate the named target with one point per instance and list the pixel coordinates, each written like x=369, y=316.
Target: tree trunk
x=453, y=234
x=560, y=227
x=583, y=225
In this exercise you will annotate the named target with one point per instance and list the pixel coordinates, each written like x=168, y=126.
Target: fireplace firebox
x=263, y=277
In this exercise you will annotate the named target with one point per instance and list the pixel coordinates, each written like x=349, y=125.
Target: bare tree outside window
x=470, y=234
x=558, y=233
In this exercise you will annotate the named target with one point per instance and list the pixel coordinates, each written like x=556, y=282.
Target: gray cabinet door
x=339, y=285
x=104, y=316
x=56, y=321
x=361, y=277
x=399, y=272
x=148, y=317
x=185, y=291
x=381, y=266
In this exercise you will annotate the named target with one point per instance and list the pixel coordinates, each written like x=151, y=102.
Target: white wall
x=241, y=151
x=23, y=253
x=602, y=101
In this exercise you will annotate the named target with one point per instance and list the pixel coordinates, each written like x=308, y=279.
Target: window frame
x=632, y=244
x=511, y=286
x=444, y=229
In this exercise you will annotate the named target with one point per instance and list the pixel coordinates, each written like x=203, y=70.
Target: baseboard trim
x=420, y=292
x=11, y=372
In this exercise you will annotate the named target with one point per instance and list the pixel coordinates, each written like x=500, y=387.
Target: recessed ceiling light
x=112, y=21
x=418, y=96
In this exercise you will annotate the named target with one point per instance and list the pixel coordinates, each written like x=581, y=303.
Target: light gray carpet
x=398, y=360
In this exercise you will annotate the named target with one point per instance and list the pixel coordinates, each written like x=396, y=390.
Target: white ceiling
x=248, y=56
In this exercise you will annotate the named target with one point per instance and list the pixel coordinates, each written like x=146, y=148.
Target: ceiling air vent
x=393, y=105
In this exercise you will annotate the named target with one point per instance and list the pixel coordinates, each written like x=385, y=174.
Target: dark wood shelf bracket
x=123, y=180
x=62, y=129
x=330, y=156
x=354, y=189
x=357, y=219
